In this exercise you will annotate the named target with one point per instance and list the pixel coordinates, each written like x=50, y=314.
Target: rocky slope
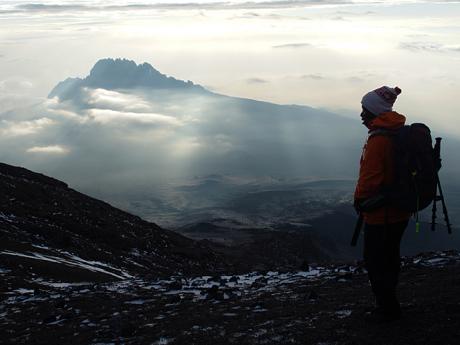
x=50, y=228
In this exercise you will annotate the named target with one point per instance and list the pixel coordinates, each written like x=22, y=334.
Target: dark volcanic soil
x=324, y=305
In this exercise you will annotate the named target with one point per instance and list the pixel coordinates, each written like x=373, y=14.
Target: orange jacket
x=377, y=168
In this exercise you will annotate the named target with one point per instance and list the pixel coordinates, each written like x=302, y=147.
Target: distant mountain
x=202, y=132
x=49, y=228
x=121, y=74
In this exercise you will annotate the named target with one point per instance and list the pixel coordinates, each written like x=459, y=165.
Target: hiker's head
x=380, y=100
x=367, y=117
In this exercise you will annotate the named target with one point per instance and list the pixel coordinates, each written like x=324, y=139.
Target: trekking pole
x=359, y=225
x=433, y=210
x=444, y=207
x=437, y=162
x=440, y=197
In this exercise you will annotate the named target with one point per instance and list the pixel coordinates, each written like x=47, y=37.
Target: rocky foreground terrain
x=74, y=270
x=320, y=305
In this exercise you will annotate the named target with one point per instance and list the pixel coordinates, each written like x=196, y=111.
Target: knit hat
x=380, y=100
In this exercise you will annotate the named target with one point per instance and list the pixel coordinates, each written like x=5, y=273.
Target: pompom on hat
x=380, y=100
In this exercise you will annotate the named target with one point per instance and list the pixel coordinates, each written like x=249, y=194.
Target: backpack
x=416, y=181
x=416, y=166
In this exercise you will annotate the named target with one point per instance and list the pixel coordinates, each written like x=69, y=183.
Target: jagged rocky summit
x=112, y=74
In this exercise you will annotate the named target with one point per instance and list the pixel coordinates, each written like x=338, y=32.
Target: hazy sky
x=318, y=53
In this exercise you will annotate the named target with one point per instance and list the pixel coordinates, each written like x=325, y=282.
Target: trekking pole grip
x=437, y=146
x=437, y=153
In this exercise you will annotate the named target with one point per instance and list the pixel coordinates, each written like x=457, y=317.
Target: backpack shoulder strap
x=382, y=131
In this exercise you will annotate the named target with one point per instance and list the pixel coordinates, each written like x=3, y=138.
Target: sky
x=322, y=53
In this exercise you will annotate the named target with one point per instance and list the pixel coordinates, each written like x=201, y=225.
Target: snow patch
x=341, y=314
x=139, y=301
x=60, y=285
x=23, y=291
x=73, y=261
x=437, y=261
x=7, y=217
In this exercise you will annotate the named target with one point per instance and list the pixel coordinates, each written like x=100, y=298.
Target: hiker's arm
x=372, y=170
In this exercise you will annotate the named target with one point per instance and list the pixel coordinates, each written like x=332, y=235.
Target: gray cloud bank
x=256, y=81
x=98, y=7
x=428, y=47
x=40, y=7
x=293, y=45
x=57, y=8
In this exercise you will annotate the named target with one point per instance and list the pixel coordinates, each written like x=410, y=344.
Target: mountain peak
x=123, y=71
x=111, y=74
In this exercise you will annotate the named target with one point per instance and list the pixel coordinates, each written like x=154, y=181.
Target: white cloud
x=14, y=129
x=106, y=116
x=53, y=149
x=15, y=85
x=108, y=99
x=53, y=107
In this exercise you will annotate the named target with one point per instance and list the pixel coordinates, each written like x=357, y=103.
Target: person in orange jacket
x=384, y=225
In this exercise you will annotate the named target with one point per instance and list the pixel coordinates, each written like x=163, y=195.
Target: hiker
x=384, y=225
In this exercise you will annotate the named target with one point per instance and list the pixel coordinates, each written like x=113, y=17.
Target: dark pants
x=383, y=262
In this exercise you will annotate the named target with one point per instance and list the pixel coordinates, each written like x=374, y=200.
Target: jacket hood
x=388, y=120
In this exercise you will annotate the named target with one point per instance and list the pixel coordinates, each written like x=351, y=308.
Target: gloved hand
x=370, y=204
x=357, y=205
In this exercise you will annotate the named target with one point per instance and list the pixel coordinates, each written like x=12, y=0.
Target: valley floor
x=322, y=306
